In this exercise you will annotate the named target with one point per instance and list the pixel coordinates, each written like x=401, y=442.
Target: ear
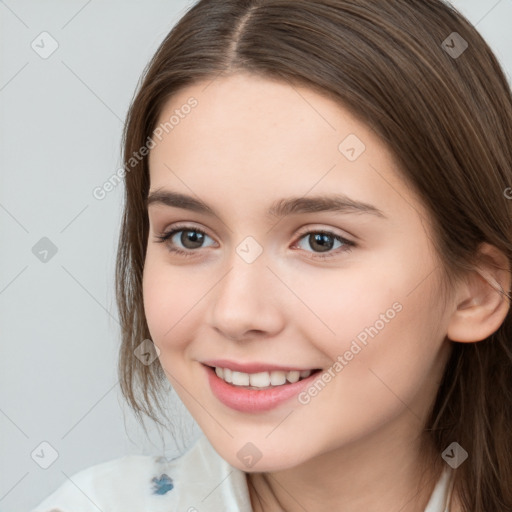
x=483, y=298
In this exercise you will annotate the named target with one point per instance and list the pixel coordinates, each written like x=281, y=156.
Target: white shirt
x=197, y=481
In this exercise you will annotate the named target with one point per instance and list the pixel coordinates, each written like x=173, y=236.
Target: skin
x=355, y=446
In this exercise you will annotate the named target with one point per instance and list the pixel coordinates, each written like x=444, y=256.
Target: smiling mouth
x=261, y=380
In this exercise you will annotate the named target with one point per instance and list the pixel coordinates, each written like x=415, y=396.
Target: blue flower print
x=162, y=485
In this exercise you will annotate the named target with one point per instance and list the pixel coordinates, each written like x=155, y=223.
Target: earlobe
x=483, y=299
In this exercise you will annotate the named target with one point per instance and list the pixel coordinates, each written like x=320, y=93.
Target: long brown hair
x=421, y=76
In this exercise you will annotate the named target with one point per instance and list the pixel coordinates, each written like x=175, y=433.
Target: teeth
x=294, y=376
x=277, y=378
x=261, y=379
x=240, y=379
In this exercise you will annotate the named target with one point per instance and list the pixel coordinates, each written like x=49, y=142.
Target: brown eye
x=192, y=237
x=321, y=242
x=183, y=240
x=324, y=242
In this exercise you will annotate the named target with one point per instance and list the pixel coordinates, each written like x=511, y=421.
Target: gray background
x=60, y=129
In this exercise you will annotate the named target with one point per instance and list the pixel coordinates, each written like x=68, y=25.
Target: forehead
x=257, y=114
x=252, y=139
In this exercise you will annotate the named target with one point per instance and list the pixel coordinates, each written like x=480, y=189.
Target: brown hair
x=447, y=118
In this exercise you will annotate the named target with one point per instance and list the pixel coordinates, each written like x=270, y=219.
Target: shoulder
x=440, y=497
x=135, y=483
x=100, y=483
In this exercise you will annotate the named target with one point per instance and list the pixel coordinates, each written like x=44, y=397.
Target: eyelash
x=164, y=237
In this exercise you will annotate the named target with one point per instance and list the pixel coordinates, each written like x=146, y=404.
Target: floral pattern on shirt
x=162, y=484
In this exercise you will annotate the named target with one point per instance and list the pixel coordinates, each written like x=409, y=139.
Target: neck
x=377, y=477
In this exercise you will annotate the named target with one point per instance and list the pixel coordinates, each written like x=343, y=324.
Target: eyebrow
x=294, y=205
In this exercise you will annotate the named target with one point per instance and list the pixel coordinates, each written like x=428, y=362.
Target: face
x=272, y=276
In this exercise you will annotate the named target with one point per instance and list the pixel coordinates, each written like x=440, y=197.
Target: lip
x=254, y=400
x=251, y=367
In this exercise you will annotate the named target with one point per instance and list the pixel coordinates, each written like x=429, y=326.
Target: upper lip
x=251, y=367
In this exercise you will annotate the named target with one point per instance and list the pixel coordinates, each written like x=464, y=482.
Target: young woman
x=315, y=254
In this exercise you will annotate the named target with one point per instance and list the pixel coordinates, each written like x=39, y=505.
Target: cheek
x=172, y=300
x=381, y=322
x=393, y=374
x=340, y=305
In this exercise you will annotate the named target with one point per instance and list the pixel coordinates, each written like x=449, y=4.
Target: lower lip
x=254, y=400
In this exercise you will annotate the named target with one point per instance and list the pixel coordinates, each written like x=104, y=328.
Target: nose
x=248, y=301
